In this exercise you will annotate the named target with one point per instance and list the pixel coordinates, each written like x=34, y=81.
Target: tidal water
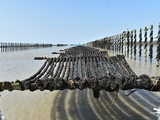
x=67, y=104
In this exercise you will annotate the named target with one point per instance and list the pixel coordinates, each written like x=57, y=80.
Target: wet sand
x=81, y=105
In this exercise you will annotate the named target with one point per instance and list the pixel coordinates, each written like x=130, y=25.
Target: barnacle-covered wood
x=83, y=67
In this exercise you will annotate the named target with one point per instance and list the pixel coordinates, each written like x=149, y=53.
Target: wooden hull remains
x=84, y=67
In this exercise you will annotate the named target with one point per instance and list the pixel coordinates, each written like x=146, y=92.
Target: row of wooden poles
x=127, y=44
x=20, y=46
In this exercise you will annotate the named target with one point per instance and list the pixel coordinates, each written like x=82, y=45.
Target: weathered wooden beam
x=110, y=84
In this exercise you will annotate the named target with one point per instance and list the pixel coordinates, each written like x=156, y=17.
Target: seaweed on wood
x=83, y=67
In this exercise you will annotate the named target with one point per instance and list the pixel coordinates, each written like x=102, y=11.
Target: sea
x=72, y=104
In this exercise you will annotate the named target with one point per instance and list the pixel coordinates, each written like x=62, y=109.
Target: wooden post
x=115, y=45
x=140, y=43
x=131, y=48
x=120, y=46
x=117, y=41
x=122, y=42
x=145, y=43
x=112, y=41
x=135, y=44
x=111, y=48
x=128, y=43
x=151, y=44
x=158, y=47
x=1, y=44
x=125, y=36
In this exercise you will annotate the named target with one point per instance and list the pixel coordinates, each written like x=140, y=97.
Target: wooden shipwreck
x=84, y=67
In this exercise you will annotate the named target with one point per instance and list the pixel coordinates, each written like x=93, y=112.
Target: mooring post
x=135, y=44
x=151, y=44
x=145, y=43
x=131, y=48
x=140, y=43
x=158, y=47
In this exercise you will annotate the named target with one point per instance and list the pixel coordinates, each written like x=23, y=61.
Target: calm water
x=21, y=64
x=67, y=104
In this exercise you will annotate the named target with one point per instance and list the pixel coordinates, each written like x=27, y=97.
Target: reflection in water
x=140, y=67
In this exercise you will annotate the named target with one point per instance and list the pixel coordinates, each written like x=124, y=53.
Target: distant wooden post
x=1, y=46
x=131, y=48
x=117, y=40
x=135, y=44
x=114, y=42
x=158, y=47
x=123, y=37
x=145, y=43
x=117, y=44
x=151, y=44
x=128, y=43
x=121, y=46
x=140, y=43
x=110, y=39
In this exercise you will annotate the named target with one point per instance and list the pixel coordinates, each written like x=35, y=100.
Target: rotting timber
x=84, y=67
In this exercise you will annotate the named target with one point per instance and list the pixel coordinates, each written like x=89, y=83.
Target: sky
x=73, y=21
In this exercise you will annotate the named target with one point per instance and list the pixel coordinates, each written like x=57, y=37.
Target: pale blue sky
x=73, y=21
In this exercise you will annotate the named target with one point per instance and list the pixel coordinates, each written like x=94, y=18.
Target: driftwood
x=83, y=67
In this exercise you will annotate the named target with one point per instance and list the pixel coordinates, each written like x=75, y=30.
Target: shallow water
x=67, y=104
x=25, y=105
